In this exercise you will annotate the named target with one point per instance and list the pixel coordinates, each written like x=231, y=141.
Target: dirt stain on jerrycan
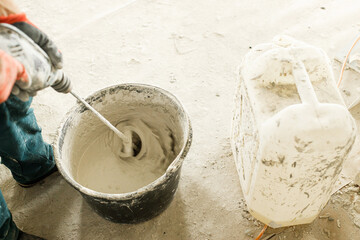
x=291, y=131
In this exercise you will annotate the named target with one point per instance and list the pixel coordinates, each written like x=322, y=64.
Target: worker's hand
x=43, y=41
x=11, y=71
x=21, y=22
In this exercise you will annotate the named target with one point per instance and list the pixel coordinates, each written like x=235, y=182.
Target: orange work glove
x=11, y=70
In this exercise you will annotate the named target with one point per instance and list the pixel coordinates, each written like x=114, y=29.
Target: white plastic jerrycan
x=291, y=132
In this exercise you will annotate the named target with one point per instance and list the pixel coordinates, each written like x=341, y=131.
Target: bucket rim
x=174, y=166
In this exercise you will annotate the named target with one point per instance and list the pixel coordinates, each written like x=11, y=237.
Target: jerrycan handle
x=303, y=84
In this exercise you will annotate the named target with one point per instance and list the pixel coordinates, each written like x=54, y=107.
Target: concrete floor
x=192, y=49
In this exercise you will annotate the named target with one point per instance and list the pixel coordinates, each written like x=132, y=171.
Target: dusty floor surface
x=193, y=49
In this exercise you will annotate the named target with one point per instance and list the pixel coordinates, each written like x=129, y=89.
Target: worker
x=22, y=148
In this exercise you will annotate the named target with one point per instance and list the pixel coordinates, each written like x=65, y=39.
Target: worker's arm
x=10, y=68
x=8, y=7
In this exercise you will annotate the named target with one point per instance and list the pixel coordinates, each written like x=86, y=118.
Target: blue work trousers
x=23, y=151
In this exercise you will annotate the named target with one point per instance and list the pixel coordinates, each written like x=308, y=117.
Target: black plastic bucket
x=148, y=201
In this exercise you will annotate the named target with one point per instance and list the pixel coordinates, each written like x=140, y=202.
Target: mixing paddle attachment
x=131, y=142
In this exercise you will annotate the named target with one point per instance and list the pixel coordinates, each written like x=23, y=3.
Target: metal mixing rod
x=63, y=85
x=104, y=120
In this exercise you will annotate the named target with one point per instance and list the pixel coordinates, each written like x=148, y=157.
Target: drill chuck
x=63, y=83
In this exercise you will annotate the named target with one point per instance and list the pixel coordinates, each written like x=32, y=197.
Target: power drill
x=38, y=65
x=36, y=62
